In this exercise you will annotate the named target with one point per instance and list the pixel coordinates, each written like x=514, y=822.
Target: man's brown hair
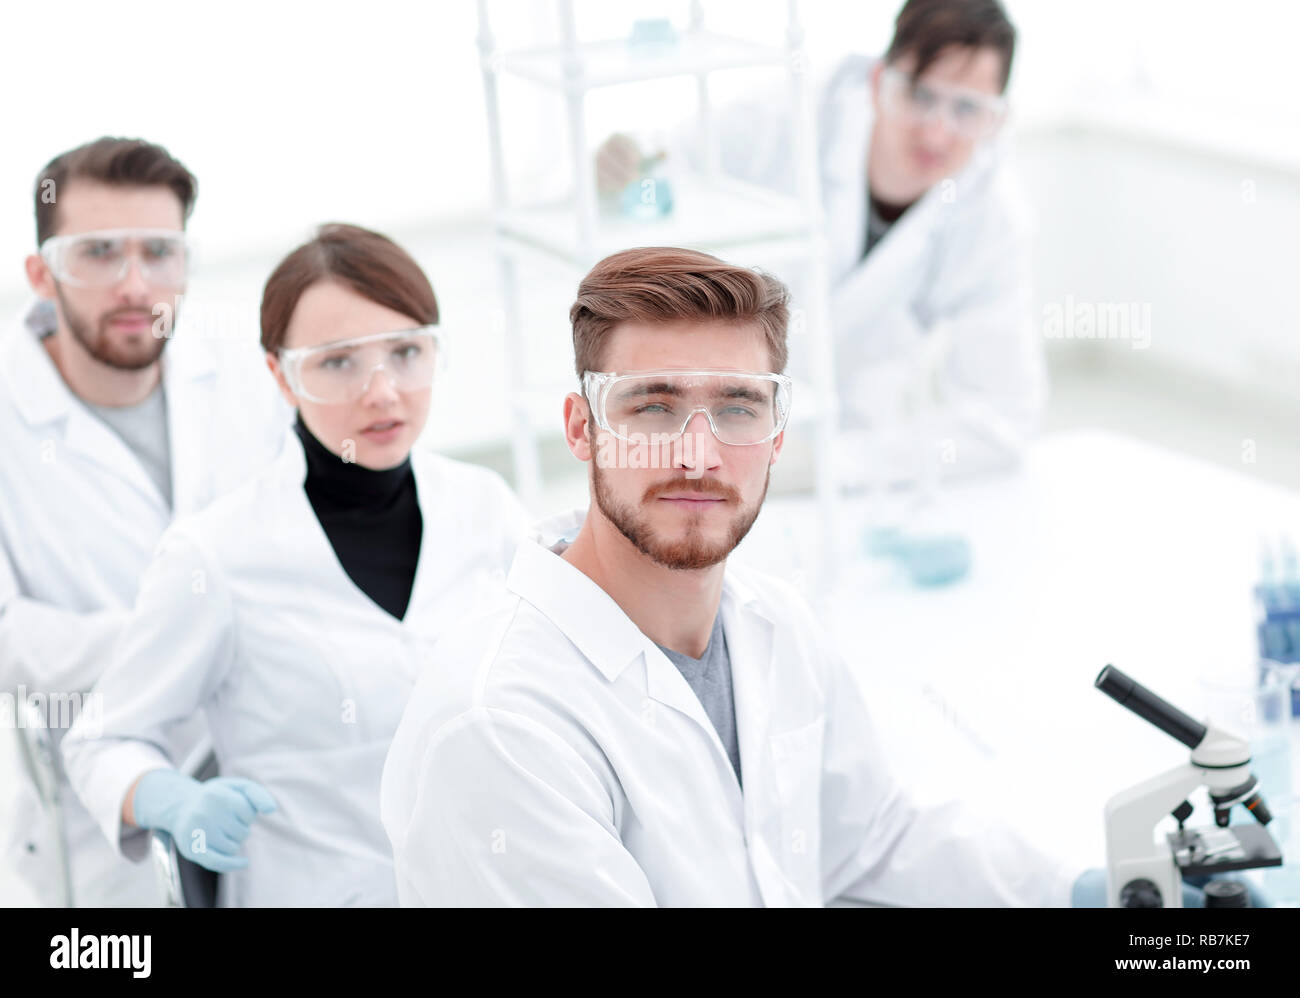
x=118, y=162
x=366, y=262
x=666, y=284
x=924, y=28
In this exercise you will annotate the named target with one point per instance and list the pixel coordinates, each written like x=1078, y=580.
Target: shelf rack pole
x=817, y=311
x=523, y=445
x=711, y=160
x=491, y=100
x=575, y=95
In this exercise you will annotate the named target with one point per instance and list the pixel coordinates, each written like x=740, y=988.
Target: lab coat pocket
x=797, y=774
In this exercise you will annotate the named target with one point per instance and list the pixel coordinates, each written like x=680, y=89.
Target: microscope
x=1143, y=874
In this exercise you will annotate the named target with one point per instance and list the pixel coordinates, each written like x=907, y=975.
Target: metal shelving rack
x=713, y=212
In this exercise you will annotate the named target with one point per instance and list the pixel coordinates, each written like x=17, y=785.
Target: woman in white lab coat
x=296, y=612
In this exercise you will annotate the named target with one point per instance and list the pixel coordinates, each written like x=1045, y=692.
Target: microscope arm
x=1132, y=814
x=1131, y=852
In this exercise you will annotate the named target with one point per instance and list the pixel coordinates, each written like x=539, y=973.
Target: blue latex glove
x=208, y=821
x=1089, y=891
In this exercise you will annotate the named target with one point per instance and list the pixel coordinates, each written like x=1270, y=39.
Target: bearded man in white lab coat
x=634, y=721
x=939, y=364
x=108, y=434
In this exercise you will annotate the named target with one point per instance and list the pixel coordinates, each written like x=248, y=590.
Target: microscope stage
x=1206, y=851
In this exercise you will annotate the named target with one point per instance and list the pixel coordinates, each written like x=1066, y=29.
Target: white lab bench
x=1100, y=550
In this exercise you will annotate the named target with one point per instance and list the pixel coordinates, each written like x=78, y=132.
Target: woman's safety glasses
x=656, y=406
x=968, y=113
x=103, y=258
x=335, y=373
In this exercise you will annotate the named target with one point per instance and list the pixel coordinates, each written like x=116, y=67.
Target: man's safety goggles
x=103, y=258
x=334, y=373
x=968, y=113
x=653, y=407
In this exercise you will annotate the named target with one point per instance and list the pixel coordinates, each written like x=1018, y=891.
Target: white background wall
x=1158, y=139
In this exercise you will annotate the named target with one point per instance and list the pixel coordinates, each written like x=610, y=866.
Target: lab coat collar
x=292, y=467
x=41, y=394
x=309, y=542
x=846, y=139
x=583, y=612
x=43, y=397
x=607, y=638
x=586, y=614
x=190, y=379
x=31, y=378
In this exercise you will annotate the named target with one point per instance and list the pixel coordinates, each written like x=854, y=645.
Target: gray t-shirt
x=710, y=678
x=144, y=428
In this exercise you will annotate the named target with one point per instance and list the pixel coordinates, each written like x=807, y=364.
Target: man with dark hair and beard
x=109, y=432
x=939, y=366
x=634, y=721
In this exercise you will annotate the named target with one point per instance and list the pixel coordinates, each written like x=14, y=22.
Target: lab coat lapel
x=847, y=141
x=606, y=636
x=433, y=520
x=88, y=435
x=665, y=684
x=309, y=544
x=42, y=396
x=863, y=291
x=890, y=273
x=863, y=288
x=189, y=379
x=583, y=612
x=848, y=123
x=30, y=376
x=306, y=541
x=749, y=643
x=751, y=639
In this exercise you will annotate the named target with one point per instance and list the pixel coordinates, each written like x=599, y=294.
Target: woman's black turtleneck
x=372, y=520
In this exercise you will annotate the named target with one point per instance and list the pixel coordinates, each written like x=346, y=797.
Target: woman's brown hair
x=368, y=263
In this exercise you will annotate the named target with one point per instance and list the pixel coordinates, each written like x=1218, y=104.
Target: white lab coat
x=79, y=520
x=555, y=756
x=936, y=350
x=248, y=616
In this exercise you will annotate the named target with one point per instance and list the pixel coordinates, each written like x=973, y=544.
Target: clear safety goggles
x=334, y=373
x=741, y=408
x=968, y=113
x=103, y=258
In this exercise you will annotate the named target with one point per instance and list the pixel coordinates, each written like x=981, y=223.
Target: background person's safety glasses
x=970, y=114
x=742, y=408
x=335, y=373
x=103, y=258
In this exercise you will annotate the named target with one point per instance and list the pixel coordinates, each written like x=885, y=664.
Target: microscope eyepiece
x=1128, y=692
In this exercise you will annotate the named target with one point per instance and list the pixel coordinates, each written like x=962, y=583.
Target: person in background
x=939, y=366
x=110, y=431
x=324, y=583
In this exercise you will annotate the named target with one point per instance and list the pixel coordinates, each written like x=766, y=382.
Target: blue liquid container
x=647, y=199
x=1277, y=609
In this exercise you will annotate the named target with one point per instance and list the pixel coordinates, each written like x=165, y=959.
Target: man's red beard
x=100, y=344
x=692, y=550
